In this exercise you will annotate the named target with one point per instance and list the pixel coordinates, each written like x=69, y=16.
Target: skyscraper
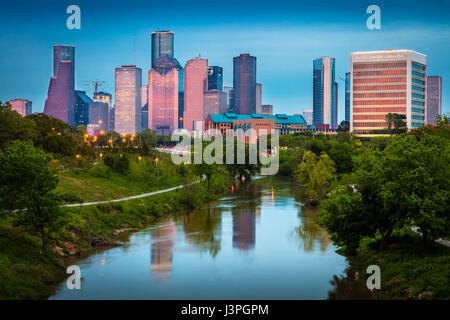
x=258, y=98
x=324, y=92
x=81, y=108
x=103, y=97
x=382, y=82
x=434, y=98
x=61, y=98
x=215, y=102
x=308, y=115
x=163, y=96
x=162, y=44
x=195, y=83
x=215, y=78
x=228, y=88
x=244, y=84
x=99, y=115
x=347, y=97
x=22, y=106
x=128, y=99
x=267, y=109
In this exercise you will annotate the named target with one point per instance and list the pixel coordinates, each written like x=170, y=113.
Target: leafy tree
x=13, y=126
x=316, y=174
x=26, y=187
x=344, y=126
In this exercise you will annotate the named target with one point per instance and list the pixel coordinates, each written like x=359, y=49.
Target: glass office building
x=61, y=97
x=81, y=108
x=324, y=92
x=244, y=84
x=347, y=97
x=382, y=82
x=162, y=44
x=215, y=78
x=22, y=106
x=434, y=98
x=128, y=108
x=195, y=84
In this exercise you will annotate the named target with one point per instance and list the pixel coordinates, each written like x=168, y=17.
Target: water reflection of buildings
x=161, y=249
x=244, y=227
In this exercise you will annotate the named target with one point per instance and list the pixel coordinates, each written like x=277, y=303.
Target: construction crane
x=93, y=83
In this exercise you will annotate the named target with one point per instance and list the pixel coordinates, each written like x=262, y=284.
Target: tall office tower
x=163, y=96
x=214, y=102
x=267, y=109
x=144, y=95
x=258, y=98
x=336, y=104
x=324, y=92
x=215, y=78
x=227, y=88
x=195, y=83
x=162, y=44
x=347, y=97
x=103, y=97
x=99, y=115
x=112, y=118
x=144, y=104
x=22, y=106
x=434, y=98
x=382, y=82
x=61, y=98
x=244, y=84
x=81, y=108
x=128, y=109
x=308, y=115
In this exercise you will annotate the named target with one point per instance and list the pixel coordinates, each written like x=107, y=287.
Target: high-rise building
x=81, y=108
x=61, y=98
x=215, y=78
x=215, y=102
x=128, y=109
x=324, y=92
x=144, y=95
x=22, y=106
x=163, y=96
x=347, y=97
x=308, y=115
x=434, y=98
x=382, y=82
x=103, y=97
x=195, y=83
x=258, y=98
x=227, y=88
x=267, y=109
x=162, y=44
x=244, y=84
x=99, y=115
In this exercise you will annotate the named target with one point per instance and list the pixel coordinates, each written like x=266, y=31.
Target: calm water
x=259, y=243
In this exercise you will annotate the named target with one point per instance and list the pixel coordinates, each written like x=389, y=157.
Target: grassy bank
x=407, y=272
x=27, y=274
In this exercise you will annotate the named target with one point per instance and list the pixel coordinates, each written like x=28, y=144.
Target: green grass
x=407, y=272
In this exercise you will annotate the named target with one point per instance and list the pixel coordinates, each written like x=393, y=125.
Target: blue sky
x=285, y=36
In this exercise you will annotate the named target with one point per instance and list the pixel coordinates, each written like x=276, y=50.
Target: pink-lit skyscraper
x=60, y=102
x=195, y=84
x=22, y=106
x=128, y=109
x=163, y=96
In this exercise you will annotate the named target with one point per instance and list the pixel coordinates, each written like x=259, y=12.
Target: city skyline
x=340, y=31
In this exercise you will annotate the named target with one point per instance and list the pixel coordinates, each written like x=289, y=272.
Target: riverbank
x=407, y=272
x=27, y=274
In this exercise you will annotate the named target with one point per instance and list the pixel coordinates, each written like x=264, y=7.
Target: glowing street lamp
x=77, y=156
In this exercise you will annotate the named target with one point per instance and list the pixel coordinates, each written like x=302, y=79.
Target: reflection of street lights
x=157, y=169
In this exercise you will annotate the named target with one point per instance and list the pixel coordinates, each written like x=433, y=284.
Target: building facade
x=215, y=78
x=434, y=98
x=308, y=115
x=103, y=97
x=99, y=115
x=324, y=92
x=128, y=109
x=382, y=82
x=215, y=102
x=61, y=97
x=195, y=84
x=81, y=108
x=258, y=98
x=163, y=96
x=22, y=106
x=267, y=109
x=347, y=97
x=244, y=84
x=162, y=44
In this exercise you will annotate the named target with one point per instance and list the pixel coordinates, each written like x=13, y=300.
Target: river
x=258, y=243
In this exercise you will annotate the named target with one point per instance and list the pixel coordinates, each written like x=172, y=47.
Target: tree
x=26, y=187
x=316, y=174
x=344, y=126
x=13, y=126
